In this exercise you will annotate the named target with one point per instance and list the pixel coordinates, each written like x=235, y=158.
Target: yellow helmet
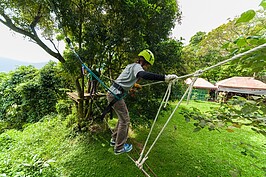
x=147, y=55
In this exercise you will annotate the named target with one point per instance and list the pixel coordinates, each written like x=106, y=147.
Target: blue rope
x=96, y=77
x=100, y=81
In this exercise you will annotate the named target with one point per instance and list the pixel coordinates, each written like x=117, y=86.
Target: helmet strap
x=141, y=61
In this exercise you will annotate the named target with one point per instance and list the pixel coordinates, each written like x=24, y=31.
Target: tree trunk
x=80, y=107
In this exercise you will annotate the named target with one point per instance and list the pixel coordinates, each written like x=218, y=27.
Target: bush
x=32, y=152
x=63, y=107
x=234, y=113
x=28, y=94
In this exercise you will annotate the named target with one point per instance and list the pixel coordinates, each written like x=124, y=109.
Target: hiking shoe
x=127, y=148
x=112, y=142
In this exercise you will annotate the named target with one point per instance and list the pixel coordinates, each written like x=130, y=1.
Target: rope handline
x=158, y=82
x=169, y=93
x=188, y=91
x=194, y=79
x=190, y=88
x=94, y=75
x=157, y=114
x=170, y=117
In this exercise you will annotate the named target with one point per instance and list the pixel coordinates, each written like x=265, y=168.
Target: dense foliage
x=101, y=32
x=236, y=36
x=28, y=94
x=235, y=113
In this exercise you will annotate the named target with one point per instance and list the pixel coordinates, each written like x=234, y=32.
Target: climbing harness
x=109, y=107
x=117, y=97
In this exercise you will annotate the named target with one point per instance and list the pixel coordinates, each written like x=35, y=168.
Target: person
x=92, y=84
x=129, y=76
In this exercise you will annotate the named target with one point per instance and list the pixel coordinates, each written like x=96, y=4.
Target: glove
x=170, y=77
x=137, y=86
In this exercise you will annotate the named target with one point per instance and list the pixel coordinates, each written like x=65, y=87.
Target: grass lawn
x=50, y=149
x=181, y=152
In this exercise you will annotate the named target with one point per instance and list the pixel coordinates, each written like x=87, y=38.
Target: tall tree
x=105, y=33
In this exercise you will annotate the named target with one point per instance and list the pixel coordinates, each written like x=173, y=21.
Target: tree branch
x=33, y=36
x=37, y=18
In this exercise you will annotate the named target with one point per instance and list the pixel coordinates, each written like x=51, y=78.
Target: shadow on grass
x=94, y=157
x=178, y=152
x=181, y=152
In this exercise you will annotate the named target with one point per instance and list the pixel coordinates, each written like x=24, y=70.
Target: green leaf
x=241, y=41
x=197, y=129
x=187, y=119
x=246, y=16
x=224, y=46
x=263, y=4
x=202, y=123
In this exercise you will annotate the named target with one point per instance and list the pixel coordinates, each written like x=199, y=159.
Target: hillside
x=7, y=64
x=51, y=148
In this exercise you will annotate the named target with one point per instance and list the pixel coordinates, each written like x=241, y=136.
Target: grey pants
x=120, y=132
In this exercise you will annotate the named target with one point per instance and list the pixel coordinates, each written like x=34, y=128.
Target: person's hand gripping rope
x=170, y=77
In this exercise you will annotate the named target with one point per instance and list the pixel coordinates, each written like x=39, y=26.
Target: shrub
x=234, y=113
x=28, y=94
x=63, y=107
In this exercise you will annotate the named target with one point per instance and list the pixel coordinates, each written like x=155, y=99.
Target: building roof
x=242, y=82
x=201, y=83
x=246, y=85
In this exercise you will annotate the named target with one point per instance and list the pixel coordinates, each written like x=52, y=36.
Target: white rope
x=190, y=88
x=169, y=93
x=145, y=173
x=218, y=64
x=156, y=117
x=194, y=79
x=141, y=160
x=158, y=82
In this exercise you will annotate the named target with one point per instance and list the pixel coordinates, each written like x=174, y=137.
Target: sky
x=197, y=15
x=206, y=15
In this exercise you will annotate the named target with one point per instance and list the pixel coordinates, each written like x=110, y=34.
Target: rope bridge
x=143, y=157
